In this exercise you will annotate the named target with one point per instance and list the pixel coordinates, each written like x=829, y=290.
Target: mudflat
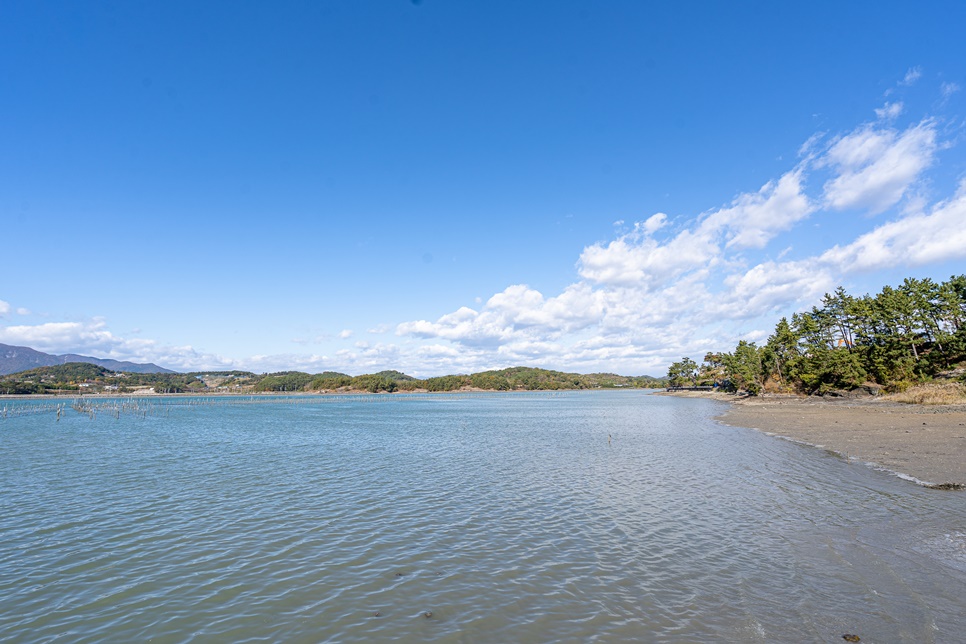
x=926, y=442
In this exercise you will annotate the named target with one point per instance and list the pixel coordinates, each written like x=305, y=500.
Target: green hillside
x=89, y=378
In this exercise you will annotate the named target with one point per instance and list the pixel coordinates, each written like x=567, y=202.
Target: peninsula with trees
x=910, y=335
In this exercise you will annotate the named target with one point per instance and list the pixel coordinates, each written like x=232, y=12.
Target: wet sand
x=924, y=442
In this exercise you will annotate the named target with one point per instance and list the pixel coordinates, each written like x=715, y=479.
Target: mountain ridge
x=14, y=359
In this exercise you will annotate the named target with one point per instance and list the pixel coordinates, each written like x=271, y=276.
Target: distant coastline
x=85, y=378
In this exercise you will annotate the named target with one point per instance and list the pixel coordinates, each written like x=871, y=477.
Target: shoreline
x=924, y=444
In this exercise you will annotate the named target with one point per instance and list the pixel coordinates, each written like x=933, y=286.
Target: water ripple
x=586, y=516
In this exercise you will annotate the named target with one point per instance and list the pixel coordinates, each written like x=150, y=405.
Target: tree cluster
x=893, y=339
x=284, y=381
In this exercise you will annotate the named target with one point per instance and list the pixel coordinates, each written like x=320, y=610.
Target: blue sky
x=445, y=187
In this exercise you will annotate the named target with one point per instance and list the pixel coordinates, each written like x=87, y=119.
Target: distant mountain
x=16, y=359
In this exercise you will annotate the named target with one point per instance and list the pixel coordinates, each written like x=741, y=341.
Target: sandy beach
x=924, y=442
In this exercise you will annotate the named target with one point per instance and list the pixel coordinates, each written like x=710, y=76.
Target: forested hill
x=515, y=378
x=512, y=379
x=900, y=337
x=84, y=378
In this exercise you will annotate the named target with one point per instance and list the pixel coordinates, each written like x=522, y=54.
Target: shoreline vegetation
x=888, y=343
x=73, y=379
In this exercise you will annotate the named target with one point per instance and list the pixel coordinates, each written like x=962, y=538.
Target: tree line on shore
x=892, y=340
x=83, y=377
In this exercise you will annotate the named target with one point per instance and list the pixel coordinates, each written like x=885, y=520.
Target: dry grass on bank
x=950, y=393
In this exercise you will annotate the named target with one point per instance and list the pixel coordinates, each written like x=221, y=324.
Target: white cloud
x=807, y=150
x=463, y=325
x=914, y=74
x=516, y=313
x=948, y=89
x=4, y=308
x=889, y=111
x=92, y=337
x=658, y=292
x=23, y=311
x=345, y=333
x=375, y=357
x=876, y=167
x=770, y=287
x=61, y=337
x=654, y=223
x=584, y=327
x=186, y=358
x=637, y=258
x=753, y=219
x=913, y=240
x=750, y=221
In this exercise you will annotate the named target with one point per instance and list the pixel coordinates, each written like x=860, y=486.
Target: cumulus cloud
x=875, y=167
x=663, y=289
x=584, y=326
x=4, y=308
x=517, y=313
x=769, y=287
x=637, y=258
x=345, y=333
x=61, y=336
x=912, y=240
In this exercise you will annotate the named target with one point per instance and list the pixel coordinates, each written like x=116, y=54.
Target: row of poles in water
x=142, y=408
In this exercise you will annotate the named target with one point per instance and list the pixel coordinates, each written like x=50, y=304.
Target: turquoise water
x=581, y=516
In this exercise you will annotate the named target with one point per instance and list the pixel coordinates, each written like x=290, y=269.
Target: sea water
x=604, y=516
